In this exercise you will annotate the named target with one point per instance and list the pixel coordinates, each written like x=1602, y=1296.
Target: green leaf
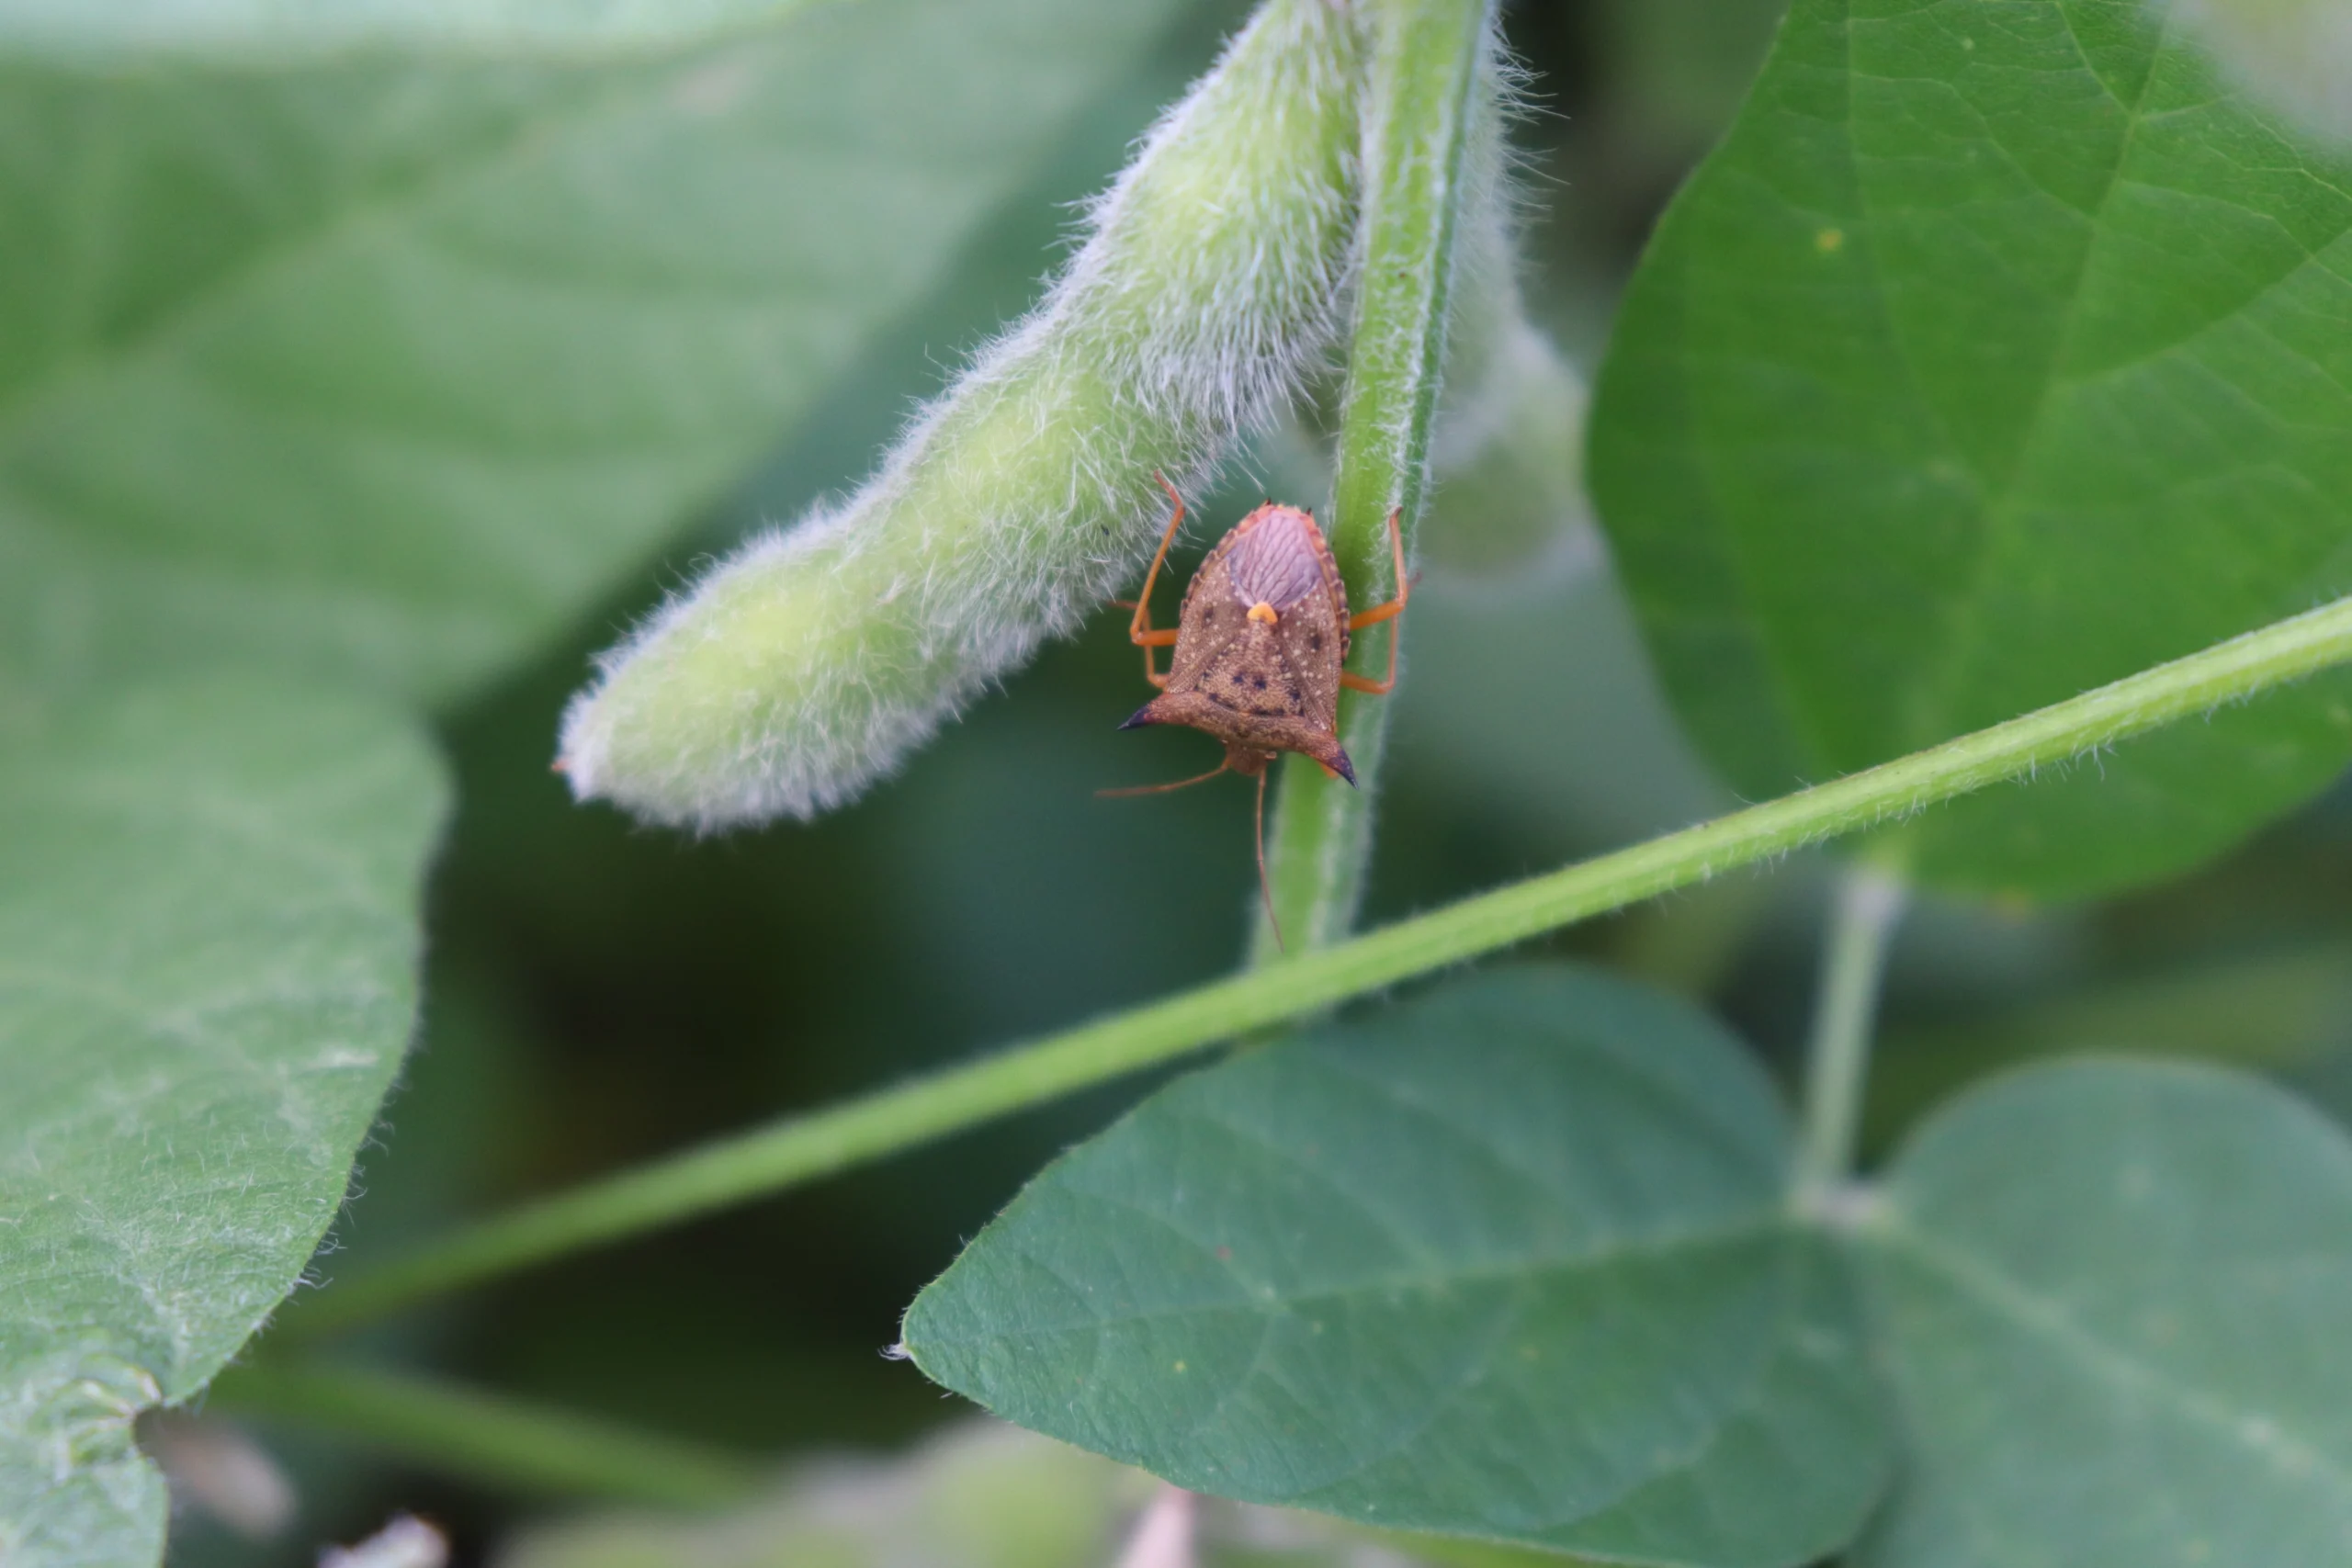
x=390, y=362
x=1454, y=1551
x=2113, y=1298
x=1507, y=1262
x=209, y=907
x=1995, y=354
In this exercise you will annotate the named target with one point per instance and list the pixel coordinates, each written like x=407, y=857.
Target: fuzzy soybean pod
x=816, y=658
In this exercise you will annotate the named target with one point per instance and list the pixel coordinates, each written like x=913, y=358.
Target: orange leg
x=1139, y=630
x=1379, y=613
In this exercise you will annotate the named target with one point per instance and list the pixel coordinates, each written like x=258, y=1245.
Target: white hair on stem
x=811, y=662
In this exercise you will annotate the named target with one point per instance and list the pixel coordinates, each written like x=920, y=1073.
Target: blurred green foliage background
x=599, y=994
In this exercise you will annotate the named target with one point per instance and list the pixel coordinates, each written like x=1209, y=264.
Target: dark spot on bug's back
x=1262, y=683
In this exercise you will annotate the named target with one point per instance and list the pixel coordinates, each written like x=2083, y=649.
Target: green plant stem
x=1864, y=916
x=1424, y=68
x=486, y=1438
x=799, y=1148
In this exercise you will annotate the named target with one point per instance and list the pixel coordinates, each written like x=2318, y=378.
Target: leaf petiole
x=1863, y=915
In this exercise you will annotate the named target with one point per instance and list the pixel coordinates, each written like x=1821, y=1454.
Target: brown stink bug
x=1259, y=644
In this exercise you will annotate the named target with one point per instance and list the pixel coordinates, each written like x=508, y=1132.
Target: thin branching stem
x=801, y=1148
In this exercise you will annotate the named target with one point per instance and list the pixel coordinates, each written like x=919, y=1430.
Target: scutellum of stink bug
x=1259, y=644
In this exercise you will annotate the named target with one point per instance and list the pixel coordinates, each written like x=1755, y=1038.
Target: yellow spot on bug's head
x=1262, y=611
x=1829, y=242
x=1180, y=1366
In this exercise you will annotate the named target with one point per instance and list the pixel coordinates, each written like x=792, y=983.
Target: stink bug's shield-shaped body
x=1258, y=646
x=1259, y=643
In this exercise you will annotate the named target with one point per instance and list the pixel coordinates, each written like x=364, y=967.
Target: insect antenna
x=1161, y=789
x=1265, y=888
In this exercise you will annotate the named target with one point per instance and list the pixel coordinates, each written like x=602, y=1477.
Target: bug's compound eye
x=1264, y=613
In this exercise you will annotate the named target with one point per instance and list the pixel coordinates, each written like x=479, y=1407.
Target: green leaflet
x=2112, y=1295
x=391, y=363
x=1997, y=354
x=1508, y=1262
x=208, y=913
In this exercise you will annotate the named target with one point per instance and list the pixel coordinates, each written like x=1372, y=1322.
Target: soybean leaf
x=2112, y=1295
x=1508, y=1262
x=1995, y=354
x=209, y=908
x=390, y=358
